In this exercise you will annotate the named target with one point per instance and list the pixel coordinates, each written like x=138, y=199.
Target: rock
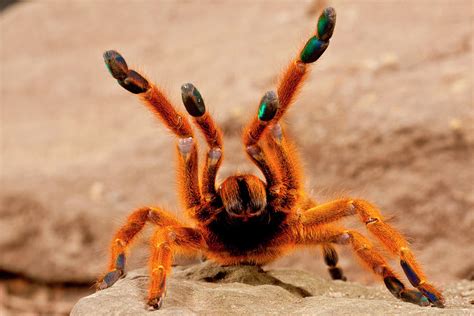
x=208, y=289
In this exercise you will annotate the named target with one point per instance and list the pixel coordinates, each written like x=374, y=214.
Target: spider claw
x=326, y=24
x=268, y=106
x=192, y=100
x=415, y=297
x=336, y=274
x=155, y=303
x=432, y=295
x=116, y=64
x=109, y=279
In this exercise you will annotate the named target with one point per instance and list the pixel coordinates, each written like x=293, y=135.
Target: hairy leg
x=363, y=248
x=194, y=104
x=284, y=153
x=282, y=150
x=170, y=236
x=389, y=237
x=293, y=78
x=164, y=243
x=272, y=108
x=330, y=255
x=125, y=236
x=155, y=100
x=257, y=153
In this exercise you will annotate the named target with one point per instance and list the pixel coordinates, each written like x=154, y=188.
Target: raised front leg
x=252, y=141
x=155, y=100
x=194, y=104
x=281, y=150
x=293, y=78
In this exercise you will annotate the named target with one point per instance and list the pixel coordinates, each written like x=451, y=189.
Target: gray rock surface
x=207, y=289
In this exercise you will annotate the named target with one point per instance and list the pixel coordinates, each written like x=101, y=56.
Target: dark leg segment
x=294, y=76
x=331, y=258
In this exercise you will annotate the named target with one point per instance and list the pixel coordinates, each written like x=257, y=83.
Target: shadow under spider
x=247, y=274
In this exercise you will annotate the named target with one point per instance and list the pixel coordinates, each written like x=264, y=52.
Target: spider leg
x=286, y=158
x=294, y=76
x=315, y=234
x=156, y=101
x=390, y=238
x=251, y=139
x=283, y=154
x=164, y=243
x=330, y=255
x=125, y=236
x=169, y=237
x=331, y=259
x=194, y=104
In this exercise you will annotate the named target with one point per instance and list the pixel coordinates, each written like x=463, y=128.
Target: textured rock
x=208, y=289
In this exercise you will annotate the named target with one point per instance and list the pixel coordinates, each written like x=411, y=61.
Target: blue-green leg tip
x=268, y=106
x=313, y=49
x=326, y=24
x=116, y=64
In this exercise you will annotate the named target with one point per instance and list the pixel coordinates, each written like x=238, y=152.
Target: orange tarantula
x=245, y=220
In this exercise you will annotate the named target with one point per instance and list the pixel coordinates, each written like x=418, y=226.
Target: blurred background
x=386, y=114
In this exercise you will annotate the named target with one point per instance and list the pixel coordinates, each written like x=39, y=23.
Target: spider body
x=246, y=220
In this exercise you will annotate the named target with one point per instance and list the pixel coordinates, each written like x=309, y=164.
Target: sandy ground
x=387, y=114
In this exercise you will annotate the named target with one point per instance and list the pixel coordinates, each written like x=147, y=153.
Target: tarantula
x=246, y=220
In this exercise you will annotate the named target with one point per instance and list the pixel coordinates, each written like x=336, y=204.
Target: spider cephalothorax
x=247, y=220
x=243, y=196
